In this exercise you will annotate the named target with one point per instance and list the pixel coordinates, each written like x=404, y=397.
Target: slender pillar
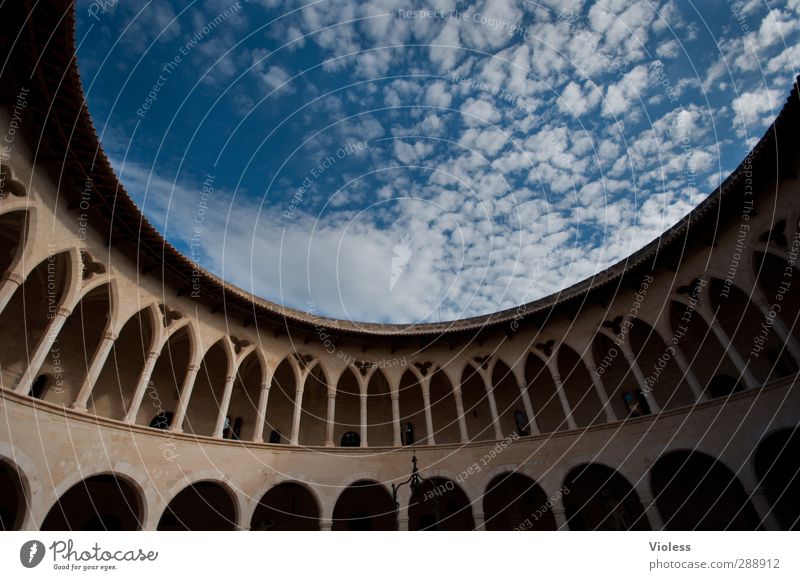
x=396, y=418
x=426, y=401
x=727, y=345
x=363, y=397
x=787, y=338
x=98, y=362
x=183, y=399
x=562, y=397
x=462, y=420
x=764, y=510
x=559, y=513
x=695, y=386
x=651, y=509
x=480, y=521
x=8, y=285
x=600, y=389
x=298, y=407
x=45, y=344
x=331, y=418
x=141, y=386
x=261, y=417
x=526, y=402
x=487, y=383
x=326, y=525
x=640, y=380
x=224, y=405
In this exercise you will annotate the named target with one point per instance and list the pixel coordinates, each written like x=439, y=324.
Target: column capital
x=395, y=396
x=112, y=336
x=64, y=312
x=265, y=386
x=230, y=378
x=153, y=354
x=14, y=277
x=193, y=368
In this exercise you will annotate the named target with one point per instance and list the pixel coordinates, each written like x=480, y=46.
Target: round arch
x=440, y=504
x=202, y=505
x=514, y=501
x=13, y=496
x=694, y=491
x=777, y=467
x=364, y=505
x=597, y=497
x=287, y=506
x=107, y=501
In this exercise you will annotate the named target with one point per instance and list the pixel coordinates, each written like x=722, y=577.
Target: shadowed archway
x=515, y=502
x=205, y=505
x=364, y=505
x=288, y=506
x=696, y=492
x=101, y=502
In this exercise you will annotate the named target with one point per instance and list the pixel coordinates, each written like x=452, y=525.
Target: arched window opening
x=39, y=387
x=275, y=436
x=102, y=502
x=351, y=439
x=286, y=507
x=234, y=430
x=777, y=466
x=408, y=434
x=162, y=420
x=12, y=498
x=723, y=386
x=636, y=403
x=522, y=423
x=204, y=505
x=783, y=364
x=364, y=505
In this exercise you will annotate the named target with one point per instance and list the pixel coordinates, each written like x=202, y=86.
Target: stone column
x=600, y=389
x=329, y=426
x=487, y=384
x=183, y=398
x=98, y=362
x=326, y=525
x=141, y=386
x=480, y=521
x=426, y=402
x=261, y=417
x=562, y=397
x=783, y=332
x=462, y=420
x=737, y=360
x=637, y=372
x=363, y=398
x=695, y=386
x=526, y=402
x=40, y=352
x=763, y=508
x=559, y=513
x=8, y=285
x=650, y=509
x=298, y=407
x=224, y=405
x=398, y=442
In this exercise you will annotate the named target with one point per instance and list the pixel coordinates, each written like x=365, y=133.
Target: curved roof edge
x=67, y=144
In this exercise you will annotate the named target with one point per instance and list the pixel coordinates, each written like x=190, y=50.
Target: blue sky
x=409, y=162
